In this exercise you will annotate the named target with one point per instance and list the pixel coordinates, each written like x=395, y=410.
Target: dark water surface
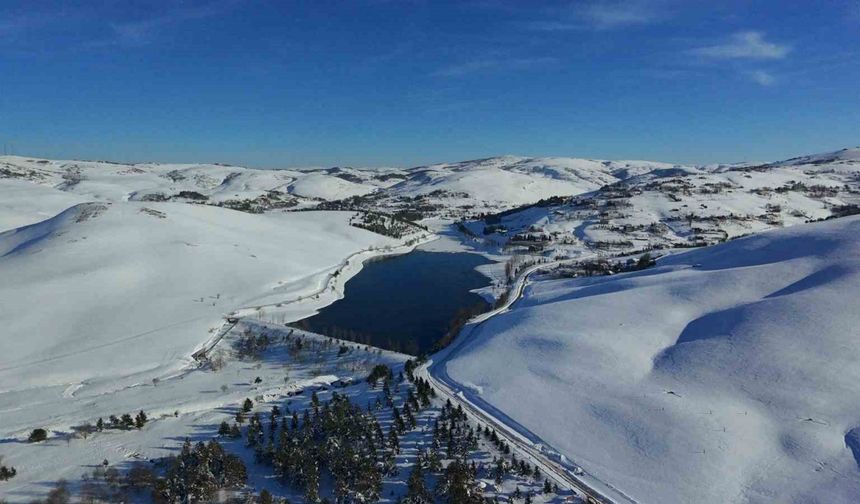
x=404, y=303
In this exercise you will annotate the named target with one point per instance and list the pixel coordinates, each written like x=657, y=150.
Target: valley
x=145, y=287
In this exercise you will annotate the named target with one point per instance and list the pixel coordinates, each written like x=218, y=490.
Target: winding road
x=552, y=463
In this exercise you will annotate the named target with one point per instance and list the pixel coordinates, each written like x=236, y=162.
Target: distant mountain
x=511, y=180
x=661, y=192
x=450, y=189
x=844, y=157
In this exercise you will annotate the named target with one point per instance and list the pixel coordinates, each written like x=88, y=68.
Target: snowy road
x=552, y=463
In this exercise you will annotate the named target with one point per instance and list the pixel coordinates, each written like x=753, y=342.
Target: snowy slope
x=511, y=180
x=148, y=281
x=726, y=374
x=848, y=158
x=320, y=186
x=190, y=404
x=23, y=203
x=680, y=206
x=103, y=181
x=484, y=184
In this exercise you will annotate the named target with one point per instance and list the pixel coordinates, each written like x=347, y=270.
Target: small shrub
x=6, y=473
x=38, y=435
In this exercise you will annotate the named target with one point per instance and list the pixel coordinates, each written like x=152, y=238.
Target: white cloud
x=762, y=77
x=744, y=45
x=607, y=14
x=143, y=31
x=601, y=15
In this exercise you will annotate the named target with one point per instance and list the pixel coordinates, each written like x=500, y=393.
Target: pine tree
x=265, y=497
x=458, y=486
x=417, y=491
x=410, y=418
x=398, y=420
x=547, y=488
x=248, y=405
x=312, y=480
x=393, y=441
x=499, y=471
x=433, y=460
x=140, y=420
x=100, y=424
x=224, y=429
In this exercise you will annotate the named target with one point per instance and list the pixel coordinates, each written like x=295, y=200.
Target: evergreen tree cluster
x=230, y=431
x=411, y=365
x=379, y=372
x=340, y=439
x=123, y=422
x=453, y=432
x=386, y=225
x=197, y=473
x=501, y=468
x=456, y=482
x=336, y=436
x=251, y=346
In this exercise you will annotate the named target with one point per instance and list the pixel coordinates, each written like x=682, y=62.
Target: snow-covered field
x=726, y=374
x=150, y=281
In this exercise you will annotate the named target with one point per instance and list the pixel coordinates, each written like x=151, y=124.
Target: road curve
x=553, y=464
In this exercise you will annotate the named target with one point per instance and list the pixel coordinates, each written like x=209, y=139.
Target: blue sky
x=388, y=82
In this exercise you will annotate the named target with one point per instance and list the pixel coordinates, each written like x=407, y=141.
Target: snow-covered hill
x=23, y=203
x=453, y=189
x=727, y=374
x=149, y=281
x=684, y=206
x=511, y=180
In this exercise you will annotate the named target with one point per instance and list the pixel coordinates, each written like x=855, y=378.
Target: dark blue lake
x=404, y=303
